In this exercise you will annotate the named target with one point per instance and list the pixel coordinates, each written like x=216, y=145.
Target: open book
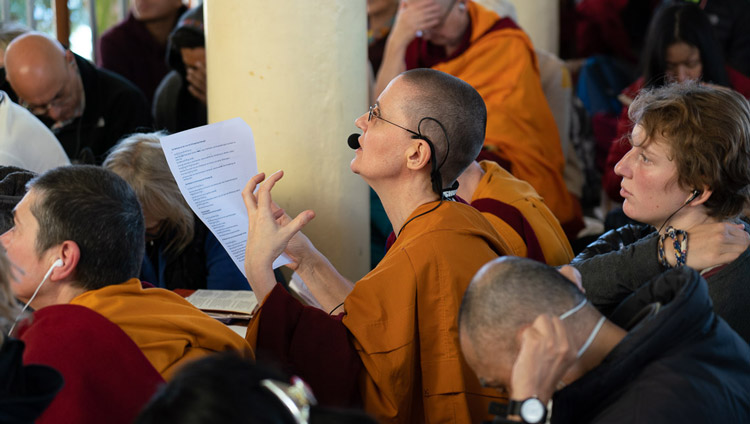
x=225, y=304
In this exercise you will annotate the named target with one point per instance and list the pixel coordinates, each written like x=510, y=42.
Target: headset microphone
x=353, y=141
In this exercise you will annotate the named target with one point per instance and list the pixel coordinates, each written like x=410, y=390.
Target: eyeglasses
x=57, y=102
x=375, y=111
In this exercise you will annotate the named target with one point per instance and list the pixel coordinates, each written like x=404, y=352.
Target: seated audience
x=180, y=100
x=516, y=211
x=181, y=253
x=680, y=47
x=87, y=108
x=497, y=58
x=225, y=388
x=25, y=390
x=662, y=357
x=25, y=142
x=687, y=174
x=393, y=343
x=729, y=21
x=135, y=48
x=80, y=228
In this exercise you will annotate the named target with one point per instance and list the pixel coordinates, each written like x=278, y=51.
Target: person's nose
x=623, y=167
x=682, y=73
x=5, y=239
x=362, y=122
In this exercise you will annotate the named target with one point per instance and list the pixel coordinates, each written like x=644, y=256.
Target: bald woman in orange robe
x=496, y=57
x=393, y=345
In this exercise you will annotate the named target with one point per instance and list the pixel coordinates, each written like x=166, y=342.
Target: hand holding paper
x=211, y=165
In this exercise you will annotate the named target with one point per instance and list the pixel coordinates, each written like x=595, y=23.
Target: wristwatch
x=531, y=410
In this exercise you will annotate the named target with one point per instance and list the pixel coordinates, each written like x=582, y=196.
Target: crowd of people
x=487, y=303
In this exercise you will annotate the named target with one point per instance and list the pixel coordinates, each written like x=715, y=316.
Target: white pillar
x=541, y=20
x=295, y=71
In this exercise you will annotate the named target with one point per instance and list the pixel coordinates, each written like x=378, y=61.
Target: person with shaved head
x=390, y=341
x=662, y=356
x=87, y=108
x=496, y=57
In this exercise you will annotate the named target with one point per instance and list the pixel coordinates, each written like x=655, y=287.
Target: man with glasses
x=496, y=57
x=390, y=342
x=87, y=108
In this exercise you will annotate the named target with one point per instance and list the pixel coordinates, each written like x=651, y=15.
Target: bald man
x=88, y=109
x=496, y=57
x=662, y=357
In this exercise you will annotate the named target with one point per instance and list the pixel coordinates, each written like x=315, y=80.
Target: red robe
x=107, y=378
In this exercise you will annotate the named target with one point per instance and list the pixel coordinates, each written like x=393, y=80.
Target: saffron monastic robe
x=167, y=328
x=397, y=343
x=520, y=216
x=498, y=60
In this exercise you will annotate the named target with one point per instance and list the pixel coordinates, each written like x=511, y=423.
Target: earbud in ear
x=695, y=194
x=58, y=263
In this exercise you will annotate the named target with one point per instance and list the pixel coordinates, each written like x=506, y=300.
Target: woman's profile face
x=683, y=62
x=649, y=180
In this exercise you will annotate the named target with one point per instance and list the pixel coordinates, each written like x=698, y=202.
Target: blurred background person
x=225, y=388
x=180, y=99
x=87, y=108
x=135, y=48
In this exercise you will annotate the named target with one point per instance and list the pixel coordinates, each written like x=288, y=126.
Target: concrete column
x=541, y=20
x=295, y=71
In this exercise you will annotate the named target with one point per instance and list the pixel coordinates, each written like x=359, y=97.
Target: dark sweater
x=623, y=260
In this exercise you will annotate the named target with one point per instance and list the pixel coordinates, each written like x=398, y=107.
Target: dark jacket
x=114, y=108
x=25, y=390
x=678, y=364
x=622, y=260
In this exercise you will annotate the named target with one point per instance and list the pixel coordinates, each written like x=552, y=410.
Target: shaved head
x=458, y=107
x=34, y=63
x=44, y=75
x=509, y=293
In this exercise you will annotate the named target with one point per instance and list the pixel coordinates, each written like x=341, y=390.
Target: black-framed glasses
x=375, y=111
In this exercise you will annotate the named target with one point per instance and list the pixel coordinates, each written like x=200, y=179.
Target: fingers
x=573, y=275
x=264, y=191
x=247, y=193
x=300, y=221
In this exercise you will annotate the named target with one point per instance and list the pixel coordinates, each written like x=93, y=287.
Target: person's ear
x=699, y=197
x=70, y=254
x=70, y=59
x=418, y=154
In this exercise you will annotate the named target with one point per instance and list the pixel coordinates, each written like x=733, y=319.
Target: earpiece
x=462, y=6
x=695, y=194
x=57, y=264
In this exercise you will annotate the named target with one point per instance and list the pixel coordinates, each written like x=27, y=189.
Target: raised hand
x=712, y=245
x=545, y=356
x=196, y=78
x=269, y=231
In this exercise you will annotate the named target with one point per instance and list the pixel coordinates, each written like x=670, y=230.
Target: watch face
x=533, y=411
